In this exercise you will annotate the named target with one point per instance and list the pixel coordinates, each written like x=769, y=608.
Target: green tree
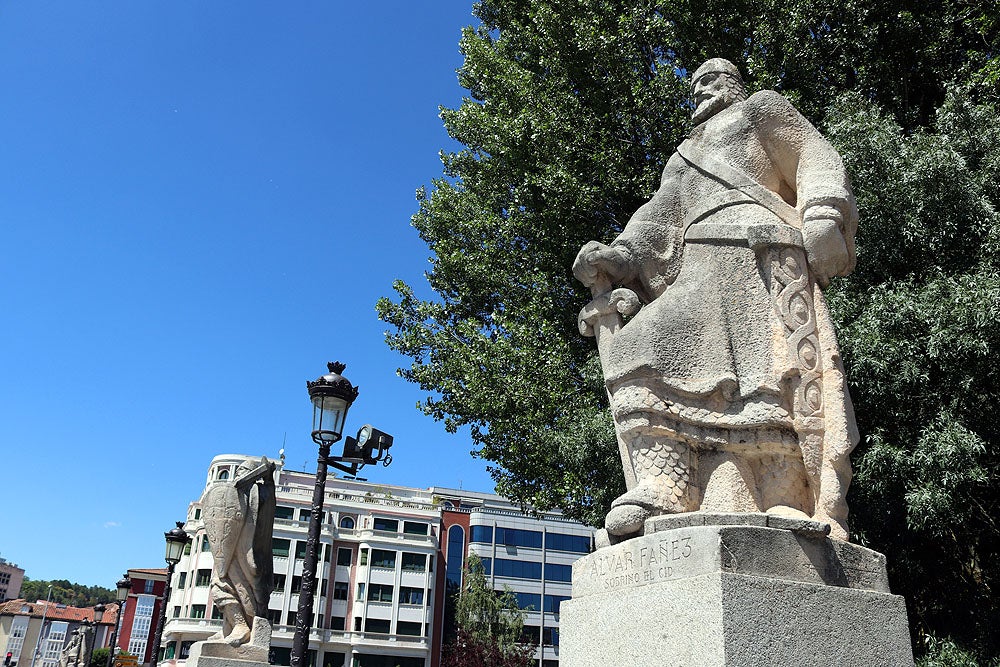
x=488, y=624
x=66, y=592
x=573, y=108
x=100, y=657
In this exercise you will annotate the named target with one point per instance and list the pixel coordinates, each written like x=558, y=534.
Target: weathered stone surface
x=718, y=351
x=724, y=619
x=708, y=596
x=753, y=550
x=219, y=653
x=239, y=520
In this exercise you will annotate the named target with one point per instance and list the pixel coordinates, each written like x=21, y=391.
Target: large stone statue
x=719, y=356
x=239, y=519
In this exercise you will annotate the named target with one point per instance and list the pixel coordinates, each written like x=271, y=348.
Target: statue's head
x=714, y=86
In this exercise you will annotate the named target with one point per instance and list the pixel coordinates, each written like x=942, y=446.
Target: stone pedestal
x=733, y=595
x=218, y=653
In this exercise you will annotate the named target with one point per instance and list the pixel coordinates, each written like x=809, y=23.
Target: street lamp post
x=331, y=396
x=177, y=539
x=124, y=588
x=98, y=616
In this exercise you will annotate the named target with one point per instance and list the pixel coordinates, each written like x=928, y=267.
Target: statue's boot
x=240, y=633
x=663, y=472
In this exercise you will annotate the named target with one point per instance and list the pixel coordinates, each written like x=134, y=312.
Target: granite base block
x=713, y=596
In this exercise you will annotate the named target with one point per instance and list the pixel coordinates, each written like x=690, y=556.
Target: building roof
x=149, y=570
x=58, y=612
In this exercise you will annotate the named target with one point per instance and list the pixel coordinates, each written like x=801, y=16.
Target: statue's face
x=713, y=92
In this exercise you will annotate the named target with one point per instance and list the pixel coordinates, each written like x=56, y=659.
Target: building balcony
x=192, y=626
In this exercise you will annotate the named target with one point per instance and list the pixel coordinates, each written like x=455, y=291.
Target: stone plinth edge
x=758, y=550
x=219, y=653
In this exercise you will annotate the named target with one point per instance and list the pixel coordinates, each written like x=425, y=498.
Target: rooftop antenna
x=281, y=452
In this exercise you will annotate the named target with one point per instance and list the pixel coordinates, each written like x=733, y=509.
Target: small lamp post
x=124, y=587
x=98, y=616
x=177, y=539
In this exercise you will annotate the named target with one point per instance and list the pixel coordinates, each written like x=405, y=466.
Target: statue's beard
x=730, y=94
x=710, y=107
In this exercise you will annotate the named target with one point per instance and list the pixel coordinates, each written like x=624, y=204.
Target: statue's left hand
x=826, y=248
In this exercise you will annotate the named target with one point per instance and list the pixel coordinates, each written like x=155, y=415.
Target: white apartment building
x=387, y=555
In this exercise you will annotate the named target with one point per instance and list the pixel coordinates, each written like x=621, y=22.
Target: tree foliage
x=488, y=624
x=573, y=108
x=66, y=592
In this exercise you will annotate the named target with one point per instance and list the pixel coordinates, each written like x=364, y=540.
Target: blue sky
x=200, y=203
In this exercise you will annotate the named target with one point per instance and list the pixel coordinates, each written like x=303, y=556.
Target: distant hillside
x=65, y=592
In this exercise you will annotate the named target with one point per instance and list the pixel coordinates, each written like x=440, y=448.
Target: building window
x=340, y=590
x=197, y=513
x=515, y=537
x=182, y=580
x=296, y=585
x=216, y=613
x=550, y=637
x=347, y=522
x=204, y=544
x=416, y=528
x=304, y=515
x=187, y=549
x=364, y=557
x=409, y=628
x=408, y=595
x=282, y=512
x=357, y=623
x=456, y=554
x=52, y=649
x=292, y=617
x=322, y=589
x=528, y=601
x=361, y=591
x=555, y=572
x=197, y=611
x=149, y=586
x=326, y=553
x=386, y=525
x=300, y=549
x=380, y=593
x=203, y=578
x=517, y=569
x=224, y=473
x=379, y=625
x=279, y=547
x=140, y=625
x=344, y=557
x=176, y=612
x=274, y=616
x=336, y=622
x=481, y=534
x=414, y=562
x=383, y=558
x=529, y=635
x=278, y=583
x=15, y=642
x=575, y=543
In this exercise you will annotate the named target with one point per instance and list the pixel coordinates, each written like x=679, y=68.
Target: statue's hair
x=717, y=66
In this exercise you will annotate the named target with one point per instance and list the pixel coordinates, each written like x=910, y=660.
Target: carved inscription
x=645, y=564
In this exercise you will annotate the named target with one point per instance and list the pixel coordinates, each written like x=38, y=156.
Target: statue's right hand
x=596, y=259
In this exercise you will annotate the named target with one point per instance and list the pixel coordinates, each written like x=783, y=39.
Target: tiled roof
x=58, y=612
x=149, y=570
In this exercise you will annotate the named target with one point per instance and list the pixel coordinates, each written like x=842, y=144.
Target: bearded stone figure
x=718, y=352
x=239, y=520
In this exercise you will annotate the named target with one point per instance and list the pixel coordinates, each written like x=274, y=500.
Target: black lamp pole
x=124, y=588
x=98, y=615
x=331, y=396
x=177, y=539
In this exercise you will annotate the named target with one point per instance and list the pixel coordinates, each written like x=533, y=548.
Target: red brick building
x=142, y=610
